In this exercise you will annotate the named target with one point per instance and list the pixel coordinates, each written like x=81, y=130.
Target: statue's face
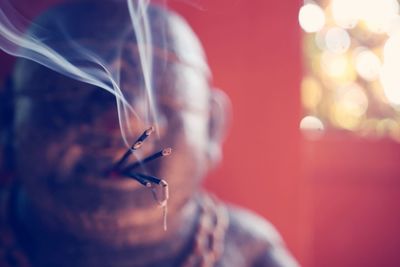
x=67, y=135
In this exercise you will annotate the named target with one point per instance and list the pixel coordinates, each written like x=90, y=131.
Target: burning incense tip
x=140, y=179
x=144, y=135
x=137, y=145
x=150, y=178
x=159, y=154
x=149, y=131
x=166, y=151
x=164, y=184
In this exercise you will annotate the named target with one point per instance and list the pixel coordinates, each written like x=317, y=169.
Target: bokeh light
x=311, y=18
x=344, y=12
x=352, y=66
x=393, y=26
x=337, y=40
x=311, y=93
x=367, y=64
x=377, y=13
x=336, y=66
x=390, y=72
x=349, y=106
x=311, y=127
x=311, y=123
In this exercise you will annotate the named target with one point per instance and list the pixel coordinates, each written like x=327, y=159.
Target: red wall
x=352, y=190
x=254, y=52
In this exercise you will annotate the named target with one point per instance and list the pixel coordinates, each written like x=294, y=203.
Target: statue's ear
x=219, y=122
x=6, y=126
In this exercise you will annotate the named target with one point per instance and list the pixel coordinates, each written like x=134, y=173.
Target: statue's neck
x=49, y=245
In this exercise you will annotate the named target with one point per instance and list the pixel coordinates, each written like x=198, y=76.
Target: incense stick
x=138, y=143
x=149, y=181
x=149, y=178
x=140, y=179
x=159, y=154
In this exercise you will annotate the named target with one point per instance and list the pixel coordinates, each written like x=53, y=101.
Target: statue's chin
x=93, y=197
x=100, y=215
x=120, y=214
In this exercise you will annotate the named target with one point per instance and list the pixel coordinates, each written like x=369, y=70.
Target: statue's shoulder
x=254, y=241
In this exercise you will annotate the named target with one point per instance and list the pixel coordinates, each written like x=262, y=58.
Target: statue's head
x=67, y=132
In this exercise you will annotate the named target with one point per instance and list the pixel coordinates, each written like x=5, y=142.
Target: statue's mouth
x=123, y=169
x=128, y=183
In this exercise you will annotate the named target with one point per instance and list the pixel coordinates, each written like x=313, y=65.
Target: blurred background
x=314, y=140
x=350, y=96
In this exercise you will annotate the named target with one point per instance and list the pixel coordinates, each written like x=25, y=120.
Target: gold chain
x=209, y=241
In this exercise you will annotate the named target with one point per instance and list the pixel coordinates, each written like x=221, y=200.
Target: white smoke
x=90, y=68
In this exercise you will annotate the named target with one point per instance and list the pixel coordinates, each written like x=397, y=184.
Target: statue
x=60, y=136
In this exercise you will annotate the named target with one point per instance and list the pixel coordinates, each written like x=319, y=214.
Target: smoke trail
x=85, y=65
x=140, y=21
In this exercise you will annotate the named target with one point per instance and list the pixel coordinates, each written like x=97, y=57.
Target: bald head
x=98, y=35
x=67, y=132
x=104, y=29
